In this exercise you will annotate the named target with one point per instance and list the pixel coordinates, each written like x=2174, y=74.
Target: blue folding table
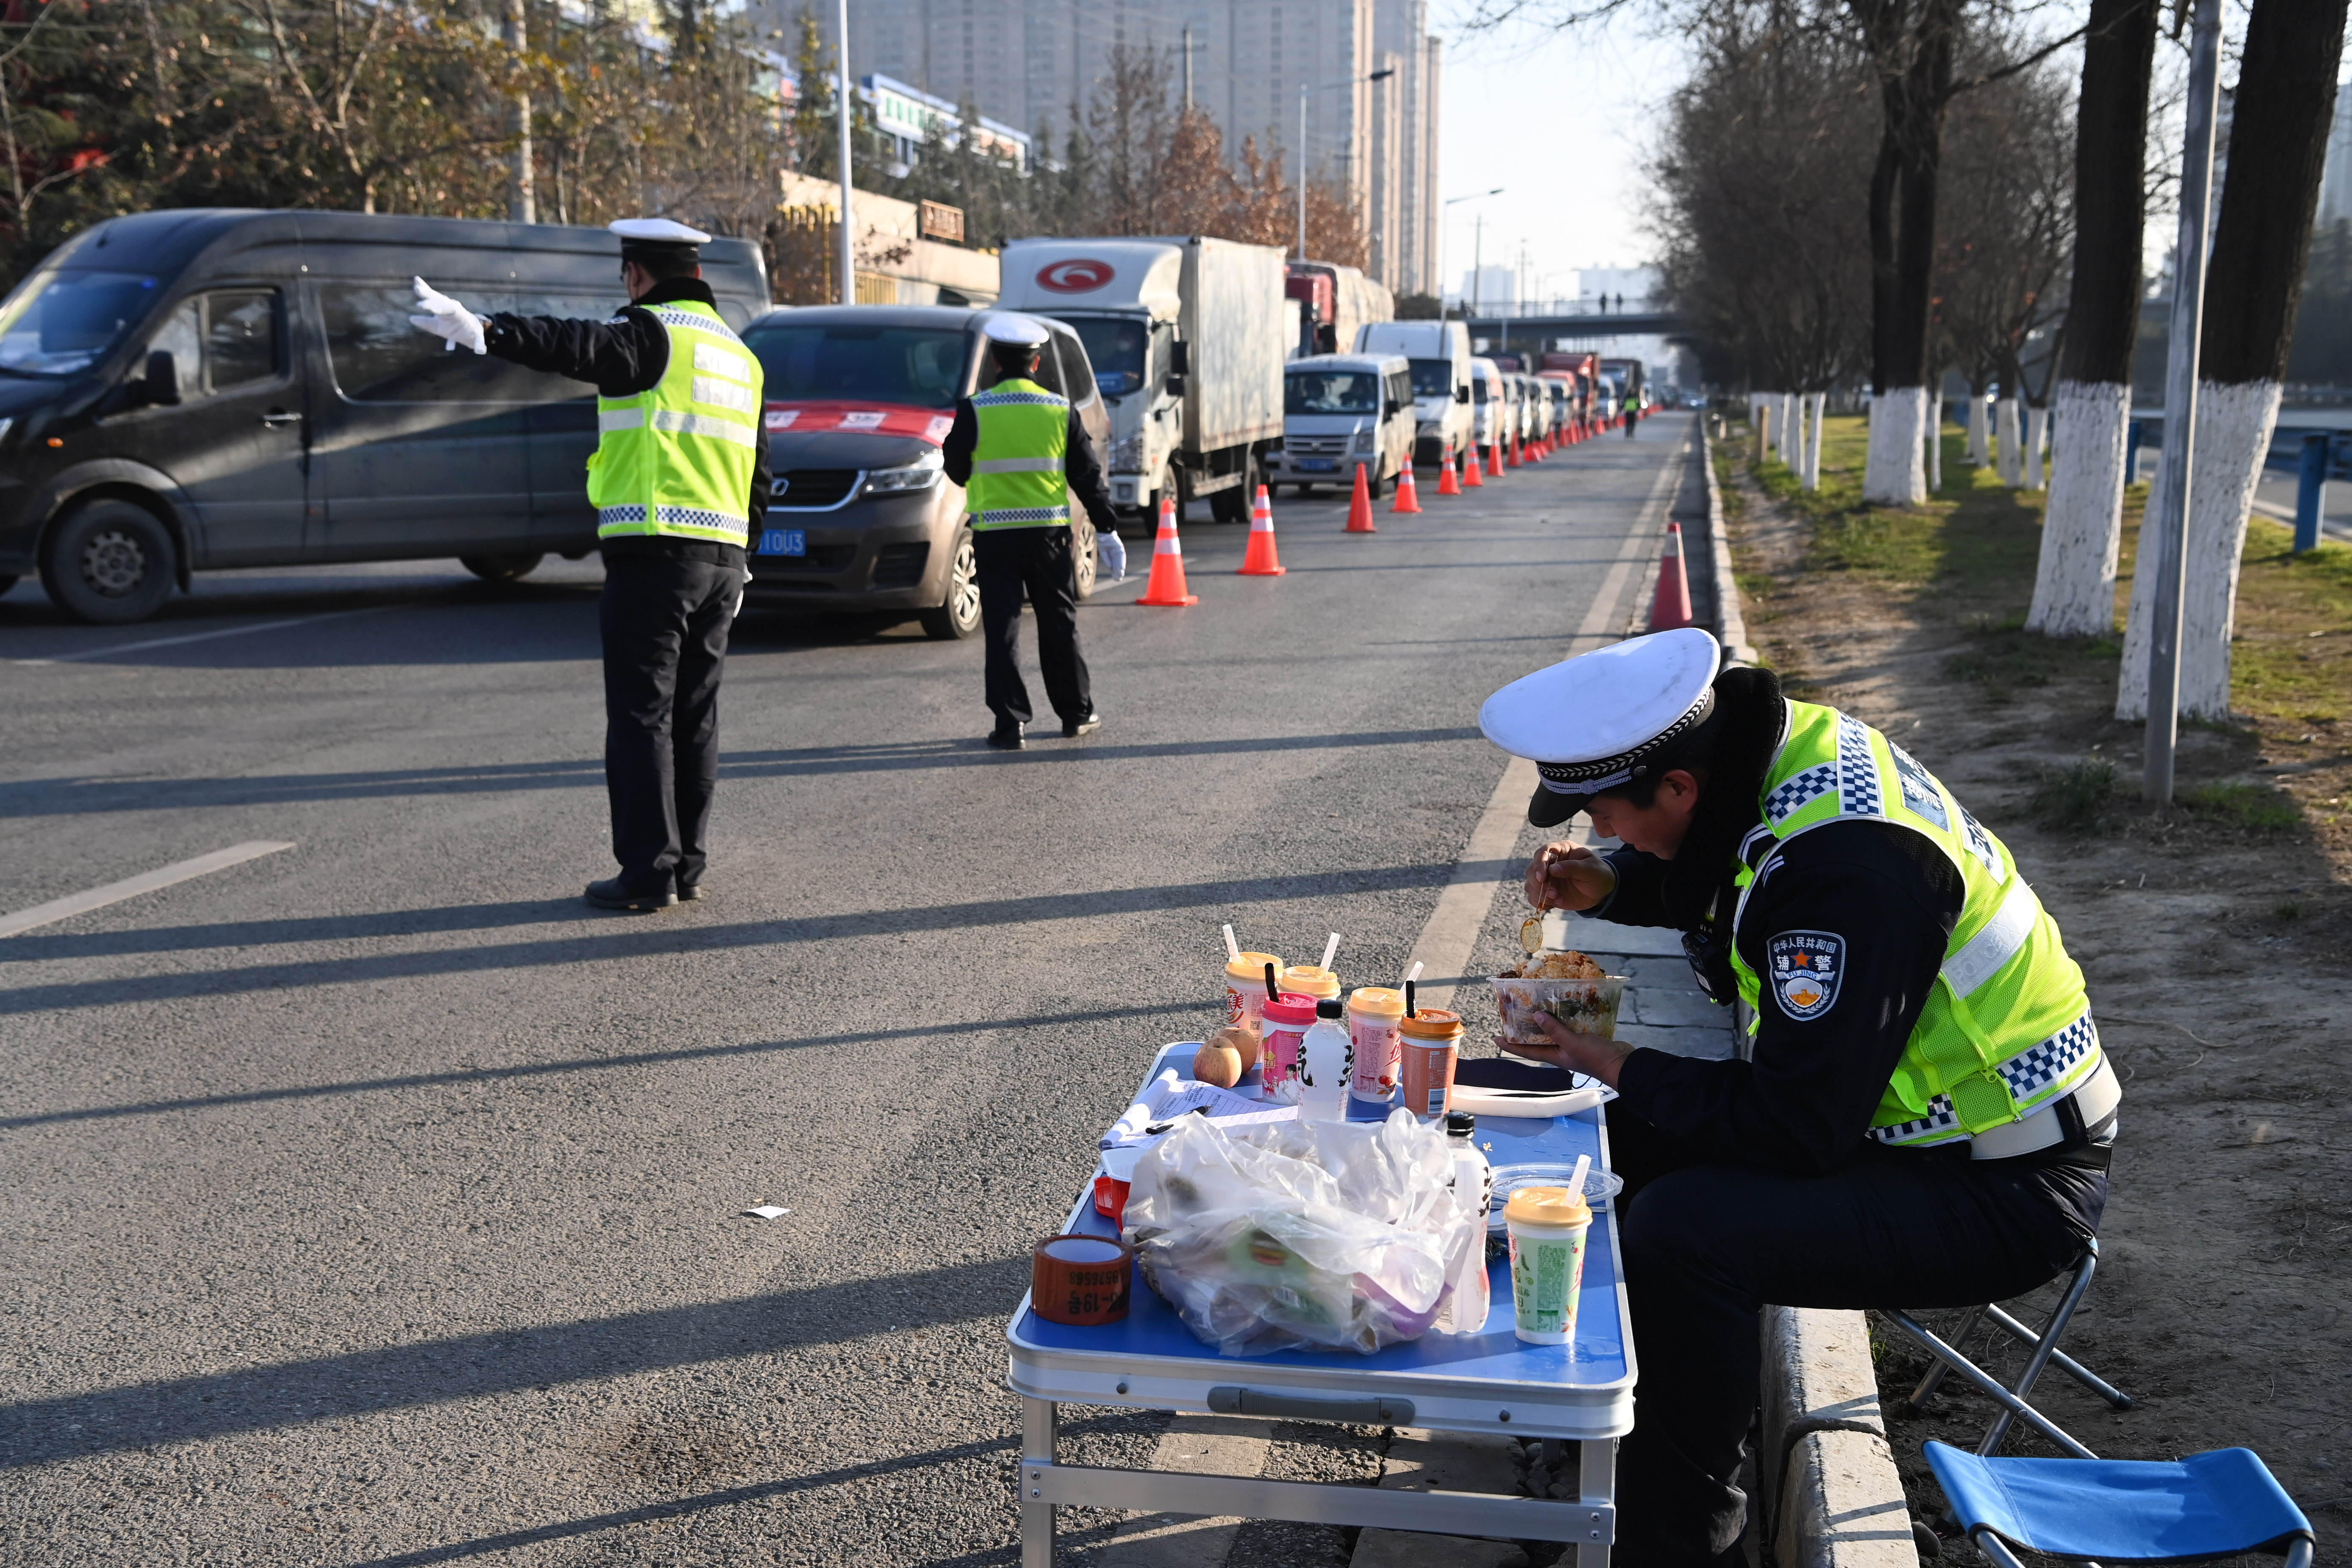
x=1489, y=1382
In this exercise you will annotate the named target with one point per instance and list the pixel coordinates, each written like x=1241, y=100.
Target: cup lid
x=1309, y=980
x=1432, y=1023
x=1251, y=966
x=1547, y=1205
x=1290, y=1008
x=1376, y=999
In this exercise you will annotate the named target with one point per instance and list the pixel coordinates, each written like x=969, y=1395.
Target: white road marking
x=1444, y=944
x=132, y=886
x=197, y=637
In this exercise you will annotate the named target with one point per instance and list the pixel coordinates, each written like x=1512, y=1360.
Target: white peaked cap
x=658, y=231
x=1017, y=330
x=1588, y=723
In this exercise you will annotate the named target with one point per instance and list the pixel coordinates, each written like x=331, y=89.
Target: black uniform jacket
x=624, y=356
x=1083, y=466
x=1875, y=901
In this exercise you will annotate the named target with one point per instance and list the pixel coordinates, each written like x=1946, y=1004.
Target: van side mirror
x=160, y=387
x=1179, y=356
x=1461, y=395
x=1175, y=384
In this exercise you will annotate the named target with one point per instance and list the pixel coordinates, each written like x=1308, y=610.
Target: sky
x=1563, y=123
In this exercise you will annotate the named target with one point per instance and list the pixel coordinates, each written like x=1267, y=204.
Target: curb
x=1830, y=1496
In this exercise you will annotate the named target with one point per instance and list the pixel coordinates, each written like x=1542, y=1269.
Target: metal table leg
x=1597, y=1488
x=1041, y=1426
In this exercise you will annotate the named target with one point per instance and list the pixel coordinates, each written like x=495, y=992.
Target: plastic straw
x=1408, y=1008
x=1576, y=1183
x=1232, y=948
x=1271, y=993
x=1330, y=952
x=1410, y=975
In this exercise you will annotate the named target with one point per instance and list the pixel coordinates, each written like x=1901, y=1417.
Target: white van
x=1340, y=410
x=1440, y=355
x=1490, y=403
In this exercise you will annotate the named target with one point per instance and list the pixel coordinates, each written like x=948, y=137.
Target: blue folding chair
x=2208, y=1505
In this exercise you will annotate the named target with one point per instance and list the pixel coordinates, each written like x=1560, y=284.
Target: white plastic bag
x=1298, y=1235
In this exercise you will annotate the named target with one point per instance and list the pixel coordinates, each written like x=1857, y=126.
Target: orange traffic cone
x=1511, y=449
x=1259, y=560
x=1672, y=606
x=1167, y=584
x=1471, y=476
x=1448, y=484
x=1495, y=459
x=1407, y=498
x=1359, y=510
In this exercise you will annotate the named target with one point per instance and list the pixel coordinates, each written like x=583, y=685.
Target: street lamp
x=1305, y=91
x=1473, y=196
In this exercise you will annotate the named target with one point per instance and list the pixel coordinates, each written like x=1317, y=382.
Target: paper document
x=1167, y=1097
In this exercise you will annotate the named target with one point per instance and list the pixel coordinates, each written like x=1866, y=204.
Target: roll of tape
x=1081, y=1280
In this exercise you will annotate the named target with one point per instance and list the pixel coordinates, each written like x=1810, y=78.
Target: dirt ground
x=2215, y=939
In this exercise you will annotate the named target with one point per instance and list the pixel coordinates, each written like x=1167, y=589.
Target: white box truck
x=1440, y=353
x=1187, y=337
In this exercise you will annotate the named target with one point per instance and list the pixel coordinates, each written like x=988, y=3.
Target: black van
x=212, y=387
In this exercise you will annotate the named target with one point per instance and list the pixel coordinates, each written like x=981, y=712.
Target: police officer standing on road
x=1926, y=1117
x=679, y=480
x=1020, y=452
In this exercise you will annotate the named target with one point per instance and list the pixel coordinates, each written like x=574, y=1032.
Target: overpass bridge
x=1535, y=333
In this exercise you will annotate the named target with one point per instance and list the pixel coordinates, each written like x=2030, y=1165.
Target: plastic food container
x=1587, y=1007
x=1599, y=1185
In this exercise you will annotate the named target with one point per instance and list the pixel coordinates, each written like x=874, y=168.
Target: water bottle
x=1326, y=1057
x=1465, y=1307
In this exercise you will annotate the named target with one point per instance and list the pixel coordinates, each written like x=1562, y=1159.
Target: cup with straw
x=1245, y=984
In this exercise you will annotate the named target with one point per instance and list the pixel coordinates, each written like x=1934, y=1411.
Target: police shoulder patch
x=1807, y=969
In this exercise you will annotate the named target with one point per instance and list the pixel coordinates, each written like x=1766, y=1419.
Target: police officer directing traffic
x=679, y=473
x=1020, y=452
x=1925, y=1116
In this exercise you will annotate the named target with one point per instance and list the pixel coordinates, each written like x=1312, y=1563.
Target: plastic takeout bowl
x=1587, y=1007
x=1599, y=1185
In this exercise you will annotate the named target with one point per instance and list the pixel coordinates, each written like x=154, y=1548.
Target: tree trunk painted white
x=1936, y=441
x=1793, y=429
x=1813, y=440
x=1980, y=451
x=1892, y=475
x=2037, y=442
x=2012, y=466
x=2234, y=432
x=2081, y=526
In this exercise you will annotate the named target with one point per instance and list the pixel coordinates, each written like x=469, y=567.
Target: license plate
x=1317, y=465
x=783, y=541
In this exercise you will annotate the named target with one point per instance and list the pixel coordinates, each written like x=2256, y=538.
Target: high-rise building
x=1036, y=63
x=2336, y=179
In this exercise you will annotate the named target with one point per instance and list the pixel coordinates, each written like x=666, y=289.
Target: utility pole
x=1188, y=70
x=522, y=198
x=848, y=257
x=2171, y=529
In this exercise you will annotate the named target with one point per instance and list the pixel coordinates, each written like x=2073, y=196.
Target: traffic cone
x=1359, y=510
x=1672, y=606
x=1408, y=499
x=1511, y=449
x=1167, y=584
x=1447, y=483
x=1259, y=560
x=1495, y=459
x=1470, y=474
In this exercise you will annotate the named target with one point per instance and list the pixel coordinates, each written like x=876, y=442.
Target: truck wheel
x=500, y=568
x=958, y=615
x=109, y=562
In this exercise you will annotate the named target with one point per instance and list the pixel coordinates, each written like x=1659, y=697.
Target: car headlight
x=918, y=475
x=1364, y=440
x=1126, y=454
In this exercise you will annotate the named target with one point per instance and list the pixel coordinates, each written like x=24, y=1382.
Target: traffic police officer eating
x=679, y=473
x=1925, y=1116
x=1019, y=451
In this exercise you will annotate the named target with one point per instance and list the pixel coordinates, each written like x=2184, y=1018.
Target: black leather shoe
x=1072, y=730
x=688, y=891
x=1006, y=738
x=609, y=894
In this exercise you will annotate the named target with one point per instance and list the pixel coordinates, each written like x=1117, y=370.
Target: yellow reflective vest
x=676, y=459
x=1019, y=462
x=2008, y=1027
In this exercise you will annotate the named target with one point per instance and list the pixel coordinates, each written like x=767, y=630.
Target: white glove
x=446, y=319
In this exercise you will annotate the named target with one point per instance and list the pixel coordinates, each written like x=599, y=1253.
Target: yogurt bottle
x=1431, y=1044
x=1245, y=989
x=1471, y=1295
x=1375, y=1017
x=1548, y=1227
x=1287, y=1019
x=1325, y=1055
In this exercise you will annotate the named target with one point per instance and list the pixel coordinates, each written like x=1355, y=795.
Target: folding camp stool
x=2042, y=1349
x=2206, y=1506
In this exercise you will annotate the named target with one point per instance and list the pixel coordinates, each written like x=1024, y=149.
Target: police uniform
x=1021, y=451
x=1923, y=1117
x=680, y=470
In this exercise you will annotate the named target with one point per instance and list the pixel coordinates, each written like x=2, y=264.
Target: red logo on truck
x=1076, y=275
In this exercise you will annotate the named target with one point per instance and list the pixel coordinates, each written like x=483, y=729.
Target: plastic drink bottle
x=1465, y=1307
x=1326, y=1057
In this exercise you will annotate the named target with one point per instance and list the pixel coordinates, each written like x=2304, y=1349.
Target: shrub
x=2072, y=798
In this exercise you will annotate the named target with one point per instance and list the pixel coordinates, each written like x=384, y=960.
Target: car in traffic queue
x=858, y=402
x=1340, y=412
x=1560, y=392
x=1439, y=352
x=1490, y=407
x=1536, y=398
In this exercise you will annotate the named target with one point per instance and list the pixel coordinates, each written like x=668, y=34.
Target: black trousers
x=665, y=623
x=1709, y=1244
x=1039, y=562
